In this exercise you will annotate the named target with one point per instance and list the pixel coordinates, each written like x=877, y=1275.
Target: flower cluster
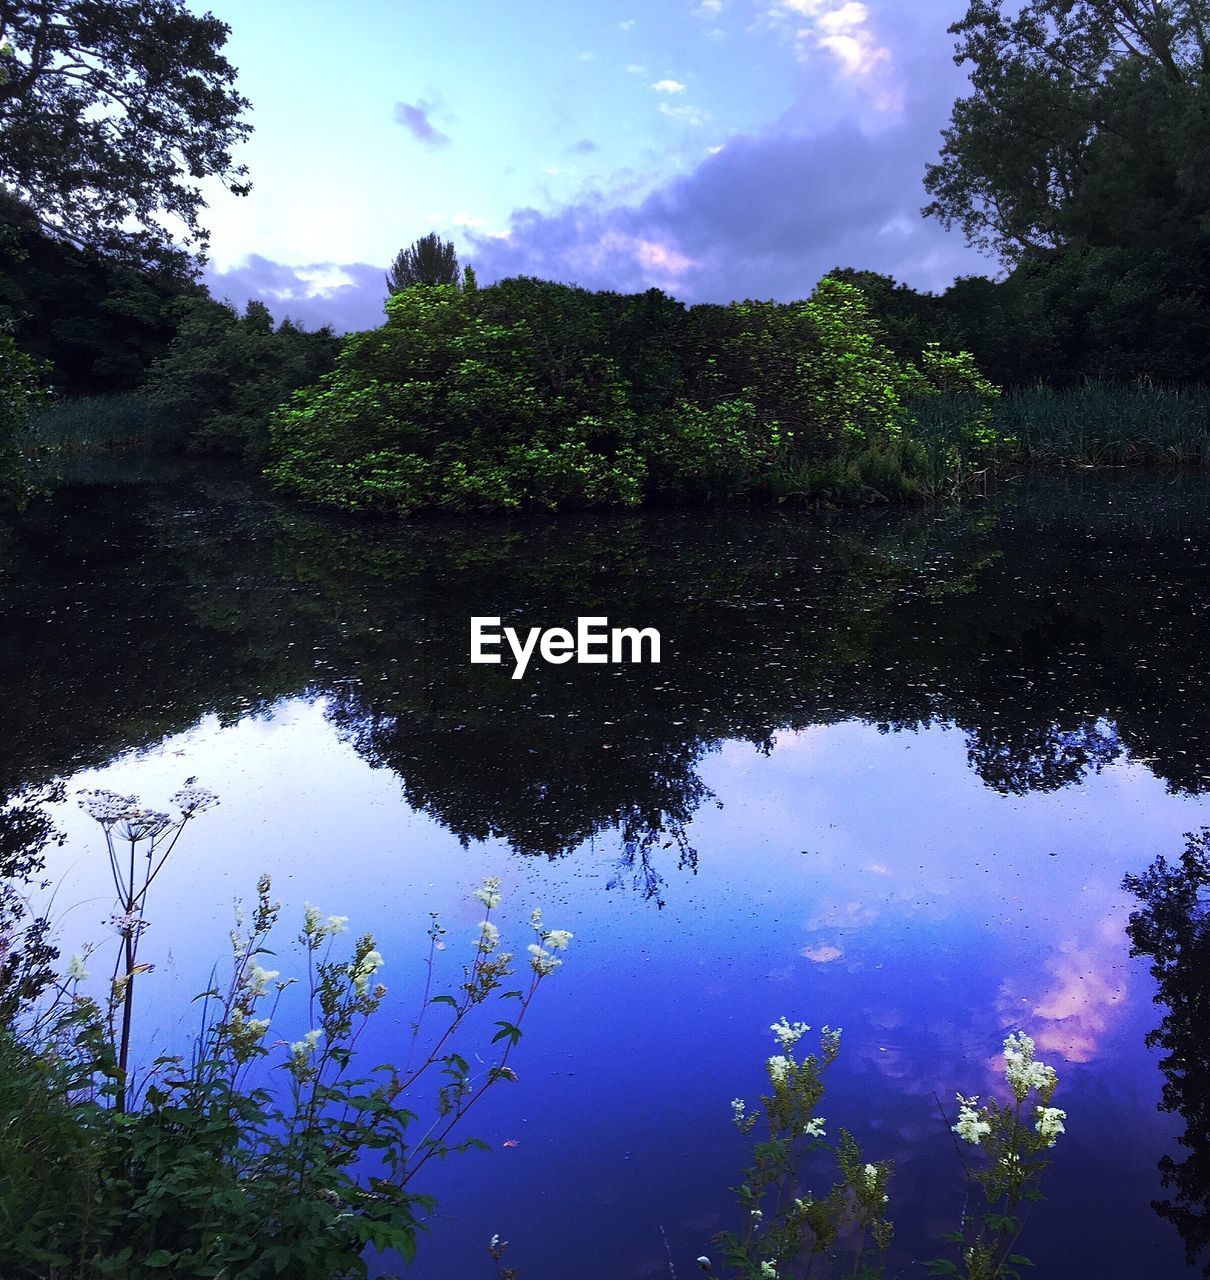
x=191, y=798
x=365, y=968
x=1023, y=1071
x=489, y=892
x=971, y=1126
x=316, y=928
x=788, y=1034
x=107, y=807
x=1050, y=1124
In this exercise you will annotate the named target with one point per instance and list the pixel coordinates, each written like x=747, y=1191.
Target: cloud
x=414, y=116
x=584, y=147
x=668, y=86
x=628, y=25
x=844, y=31
x=347, y=296
x=690, y=115
x=707, y=9
x=766, y=216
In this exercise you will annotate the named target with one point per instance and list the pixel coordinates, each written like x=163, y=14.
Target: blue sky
x=717, y=149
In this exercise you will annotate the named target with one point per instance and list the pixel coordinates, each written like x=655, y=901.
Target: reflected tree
x=1172, y=929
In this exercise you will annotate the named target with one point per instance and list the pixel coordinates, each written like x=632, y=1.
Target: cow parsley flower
x=814, y=1128
x=76, y=970
x=107, y=806
x=191, y=798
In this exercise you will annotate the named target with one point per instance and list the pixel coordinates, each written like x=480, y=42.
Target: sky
x=716, y=149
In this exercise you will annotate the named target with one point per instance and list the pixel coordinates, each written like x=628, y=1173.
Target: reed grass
x=99, y=424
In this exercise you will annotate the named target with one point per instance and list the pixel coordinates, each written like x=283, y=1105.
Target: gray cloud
x=347, y=296
x=764, y=217
x=414, y=116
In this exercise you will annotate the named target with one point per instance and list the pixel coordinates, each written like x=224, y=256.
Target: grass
x=97, y=424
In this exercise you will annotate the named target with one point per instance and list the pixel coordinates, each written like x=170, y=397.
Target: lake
x=888, y=776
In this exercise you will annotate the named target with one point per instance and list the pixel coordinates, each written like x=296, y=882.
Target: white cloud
x=668, y=86
x=636, y=69
x=628, y=25
x=845, y=33
x=689, y=115
x=587, y=57
x=708, y=8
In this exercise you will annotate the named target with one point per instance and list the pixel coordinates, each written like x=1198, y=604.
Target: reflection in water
x=1172, y=928
x=26, y=952
x=889, y=775
x=1060, y=628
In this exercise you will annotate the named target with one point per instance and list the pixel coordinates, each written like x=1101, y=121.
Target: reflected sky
x=925, y=879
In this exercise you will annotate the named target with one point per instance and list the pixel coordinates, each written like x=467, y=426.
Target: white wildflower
x=310, y=919
x=1050, y=1124
x=128, y=922
x=768, y=1271
x=738, y=1109
x=335, y=925
x=971, y=1126
x=302, y=1049
x=365, y=969
x=788, y=1034
x=489, y=894
x=76, y=970
x=814, y=1128
x=258, y=979
x=1022, y=1071
x=535, y=919
x=542, y=962
x=107, y=806
x=557, y=939
x=779, y=1067
x=192, y=799
x=489, y=938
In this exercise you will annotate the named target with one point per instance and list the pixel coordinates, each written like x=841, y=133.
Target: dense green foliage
x=223, y=374
x=97, y=321
x=531, y=394
x=1086, y=125
x=111, y=112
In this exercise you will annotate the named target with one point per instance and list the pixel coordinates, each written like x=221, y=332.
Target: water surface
x=889, y=777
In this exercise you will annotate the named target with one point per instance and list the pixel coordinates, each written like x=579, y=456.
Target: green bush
x=223, y=374
x=530, y=394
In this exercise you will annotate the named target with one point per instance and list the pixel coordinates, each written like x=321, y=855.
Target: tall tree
x=1088, y=123
x=429, y=260
x=111, y=112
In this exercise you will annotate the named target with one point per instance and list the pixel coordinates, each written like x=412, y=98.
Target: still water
x=889, y=776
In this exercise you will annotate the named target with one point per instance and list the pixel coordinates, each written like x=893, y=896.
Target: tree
x=429, y=260
x=111, y=113
x=1086, y=125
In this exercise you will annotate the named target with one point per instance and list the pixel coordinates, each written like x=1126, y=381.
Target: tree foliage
x=223, y=373
x=112, y=112
x=429, y=260
x=529, y=393
x=1087, y=124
